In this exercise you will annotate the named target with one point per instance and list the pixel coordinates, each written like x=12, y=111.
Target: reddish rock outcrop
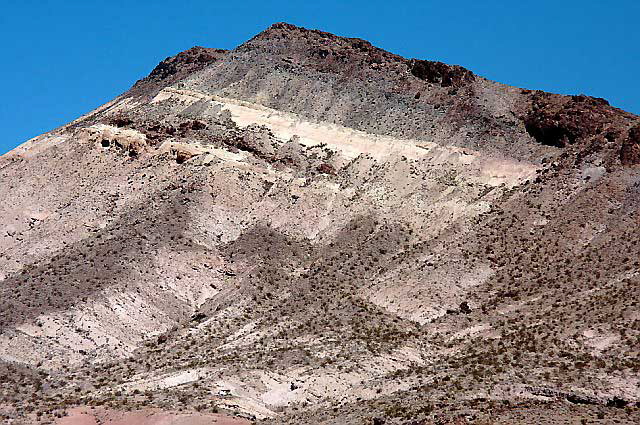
x=559, y=121
x=441, y=73
x=174, y=68
x=589, y=124
x=630, y=150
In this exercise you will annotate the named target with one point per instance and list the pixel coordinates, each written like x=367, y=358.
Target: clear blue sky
x=63, y=58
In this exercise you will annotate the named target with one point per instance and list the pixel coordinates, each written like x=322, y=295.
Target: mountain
x=311, y=230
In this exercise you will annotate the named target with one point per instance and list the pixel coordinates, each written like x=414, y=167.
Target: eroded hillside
x=308, y=229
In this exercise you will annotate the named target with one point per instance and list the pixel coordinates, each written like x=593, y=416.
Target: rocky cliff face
x=308, y=229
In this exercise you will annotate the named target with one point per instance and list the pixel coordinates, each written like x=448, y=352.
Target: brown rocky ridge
x=309, y=229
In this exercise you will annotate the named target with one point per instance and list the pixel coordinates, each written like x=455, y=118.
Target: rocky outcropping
x=630, y=150
x=441, y=73
x=175, y=68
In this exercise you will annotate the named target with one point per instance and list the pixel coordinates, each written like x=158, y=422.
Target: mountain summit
x=309, y=229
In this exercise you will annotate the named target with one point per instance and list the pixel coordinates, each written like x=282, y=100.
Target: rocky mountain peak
x=309, y=229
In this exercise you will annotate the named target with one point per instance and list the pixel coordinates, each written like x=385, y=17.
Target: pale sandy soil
x=86, y=416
